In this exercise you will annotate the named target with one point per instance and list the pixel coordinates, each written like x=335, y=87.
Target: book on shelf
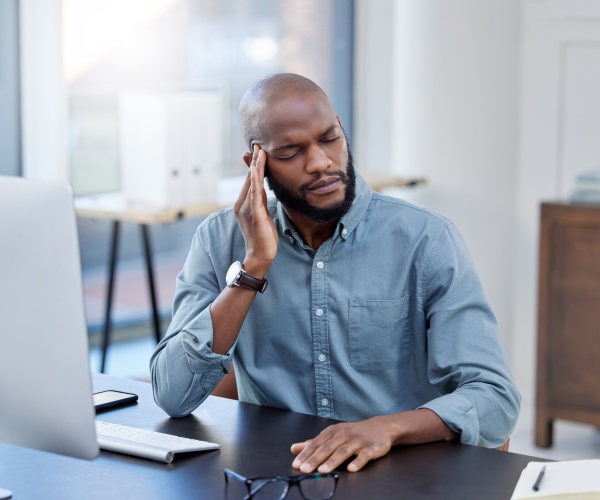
x=587, y=188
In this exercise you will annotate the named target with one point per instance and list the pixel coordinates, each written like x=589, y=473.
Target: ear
x=247, y=159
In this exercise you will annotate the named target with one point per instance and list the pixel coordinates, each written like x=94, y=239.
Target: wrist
x=256, y=267
x=416, y=426
x=237, y=276
x=395, y=431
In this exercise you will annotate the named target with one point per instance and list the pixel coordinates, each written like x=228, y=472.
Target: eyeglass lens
x=311, y=488
x=274, y=489
x=317, y=488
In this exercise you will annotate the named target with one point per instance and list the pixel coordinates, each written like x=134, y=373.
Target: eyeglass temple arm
x=229, y=472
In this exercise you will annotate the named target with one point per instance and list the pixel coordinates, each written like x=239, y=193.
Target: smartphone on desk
x=106, y=400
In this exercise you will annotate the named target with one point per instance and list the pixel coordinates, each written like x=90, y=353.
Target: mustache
x=336, y=173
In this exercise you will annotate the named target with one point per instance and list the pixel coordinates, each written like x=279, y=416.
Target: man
x=373, y=313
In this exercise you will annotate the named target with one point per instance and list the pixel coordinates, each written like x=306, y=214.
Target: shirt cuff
x=196, y=340
x=459, y=414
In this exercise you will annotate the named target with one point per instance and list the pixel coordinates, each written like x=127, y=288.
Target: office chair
x=504, y=447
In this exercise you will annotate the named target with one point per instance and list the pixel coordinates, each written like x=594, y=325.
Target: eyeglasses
x=313, y=486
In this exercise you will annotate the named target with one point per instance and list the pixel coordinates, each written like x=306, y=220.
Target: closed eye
x=286, y=158
x=299, y=151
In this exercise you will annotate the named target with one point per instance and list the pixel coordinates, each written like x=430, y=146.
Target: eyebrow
x=291, y=146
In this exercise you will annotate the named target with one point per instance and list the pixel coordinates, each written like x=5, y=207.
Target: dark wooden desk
x=255, y=441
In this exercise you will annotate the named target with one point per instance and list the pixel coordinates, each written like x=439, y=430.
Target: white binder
x=171, y=146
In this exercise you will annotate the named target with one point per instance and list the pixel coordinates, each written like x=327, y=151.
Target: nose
x=317, y=160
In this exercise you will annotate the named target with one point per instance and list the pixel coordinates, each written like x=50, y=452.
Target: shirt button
x=319, y=312
x=344, y=232
x=324, y=401
x=291, y=238
x=321, y=357
x=320, y=265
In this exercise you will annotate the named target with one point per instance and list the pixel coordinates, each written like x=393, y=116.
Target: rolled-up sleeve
x=183, y=367
x=466, y=362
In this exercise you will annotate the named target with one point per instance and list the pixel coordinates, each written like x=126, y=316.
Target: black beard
x=300, y=203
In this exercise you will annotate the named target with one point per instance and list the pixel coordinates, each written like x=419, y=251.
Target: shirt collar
x=363, y=197
x=347, y=223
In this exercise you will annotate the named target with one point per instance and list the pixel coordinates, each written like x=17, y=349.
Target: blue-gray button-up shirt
x=387, y=315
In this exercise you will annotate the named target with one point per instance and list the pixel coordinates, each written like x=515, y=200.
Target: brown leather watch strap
x=247, y=281
x=237, y=276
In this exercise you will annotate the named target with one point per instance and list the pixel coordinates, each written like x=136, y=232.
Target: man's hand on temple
x=258, y=229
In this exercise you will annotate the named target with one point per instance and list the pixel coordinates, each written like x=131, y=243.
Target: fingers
x=337, y=444
x=243, y=192
x=252, y=213
x=325, y=456
x=259, y=160
x=257, y=175
x=256, y=172
x=298, y=447
x=360, y=461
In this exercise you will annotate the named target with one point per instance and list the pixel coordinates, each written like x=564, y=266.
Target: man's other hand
x=368, y=440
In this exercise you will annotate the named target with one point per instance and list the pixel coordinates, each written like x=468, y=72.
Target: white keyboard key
x=146, y=444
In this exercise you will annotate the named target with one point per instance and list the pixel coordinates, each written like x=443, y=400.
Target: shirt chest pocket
x=379, y=333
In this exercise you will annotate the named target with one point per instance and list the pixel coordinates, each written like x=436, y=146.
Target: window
x=117, y=46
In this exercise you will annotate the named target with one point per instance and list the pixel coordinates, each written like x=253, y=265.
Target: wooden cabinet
x=568, y=364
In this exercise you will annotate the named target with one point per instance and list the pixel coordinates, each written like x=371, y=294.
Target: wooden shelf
x=568, y=385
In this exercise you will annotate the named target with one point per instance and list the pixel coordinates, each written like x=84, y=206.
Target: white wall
x=373, y=82
x=453, y=113
x=455, y=116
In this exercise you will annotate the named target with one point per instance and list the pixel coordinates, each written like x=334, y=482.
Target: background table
x=116, y=208
x=255, y=441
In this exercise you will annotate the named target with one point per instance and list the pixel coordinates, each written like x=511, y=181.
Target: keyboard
x=146, y=444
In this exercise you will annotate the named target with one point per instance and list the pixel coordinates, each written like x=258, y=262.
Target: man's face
x=309, y=164
x=299, y=202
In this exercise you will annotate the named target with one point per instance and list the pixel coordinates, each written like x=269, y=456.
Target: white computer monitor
x=45, y=383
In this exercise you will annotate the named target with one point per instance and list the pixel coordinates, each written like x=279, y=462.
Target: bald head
x=266, y=92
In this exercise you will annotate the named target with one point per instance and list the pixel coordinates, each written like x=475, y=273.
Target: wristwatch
x=237, y=276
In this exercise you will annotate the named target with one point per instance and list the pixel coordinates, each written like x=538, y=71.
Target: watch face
x=233, y=272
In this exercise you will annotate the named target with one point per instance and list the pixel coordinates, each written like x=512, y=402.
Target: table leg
x=150, y=274
x=109, y=294
x=543, y=429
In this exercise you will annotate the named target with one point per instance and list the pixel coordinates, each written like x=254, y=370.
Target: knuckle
x=312, y=446
x=327, y=448
x=245, y=210
x=332, y=430
x=309, y=448
x=345, y=450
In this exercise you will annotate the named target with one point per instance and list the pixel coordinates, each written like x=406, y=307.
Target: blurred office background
x=496, y=103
